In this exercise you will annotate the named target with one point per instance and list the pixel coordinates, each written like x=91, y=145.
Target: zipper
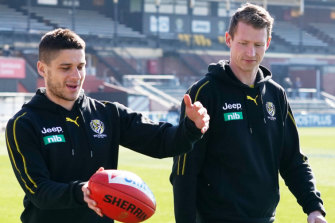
x=87, y=135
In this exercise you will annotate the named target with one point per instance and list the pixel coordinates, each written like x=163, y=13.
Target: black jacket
x=232, y=173
x=54, y=151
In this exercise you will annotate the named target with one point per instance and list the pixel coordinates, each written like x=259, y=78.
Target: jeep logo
x=236, y=106
x=50, y=130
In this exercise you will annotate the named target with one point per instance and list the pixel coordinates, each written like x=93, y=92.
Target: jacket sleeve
x=158, y=140
x=31, y=170
x=296, y=171
x=185, y=171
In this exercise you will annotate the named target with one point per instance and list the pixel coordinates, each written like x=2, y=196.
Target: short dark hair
x=253, y=15
x=58, y=39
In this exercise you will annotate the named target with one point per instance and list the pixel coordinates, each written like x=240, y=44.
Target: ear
x=268, y=43
x=41, y=68
x=228, y=39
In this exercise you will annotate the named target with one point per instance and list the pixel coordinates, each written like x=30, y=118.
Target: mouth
x=72, y=87
x=250, y=60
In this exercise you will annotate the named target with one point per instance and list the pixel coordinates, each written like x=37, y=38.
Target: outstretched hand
x=197, y=113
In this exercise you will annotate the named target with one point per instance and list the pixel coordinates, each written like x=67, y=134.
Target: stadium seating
x=12, y=20
x=201, y=40
x=326, y=28
x=197, y=40
x=194, y=61
x=310, y=105
x=97, y=24
x=222, y=39
x=180, y=53
x=185, y=38
x=294, y=35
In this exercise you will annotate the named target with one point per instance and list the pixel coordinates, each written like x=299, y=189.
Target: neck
x=246, y=77
x=68, y=105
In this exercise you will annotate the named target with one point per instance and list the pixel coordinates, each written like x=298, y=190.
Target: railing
x=10, y=103
x=330, y=99
x=145, y=84
x=302, y=93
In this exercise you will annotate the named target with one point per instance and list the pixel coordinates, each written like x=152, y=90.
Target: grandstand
x=172, y=38
x=97, y=24
x=292, y=35
x=15, y=21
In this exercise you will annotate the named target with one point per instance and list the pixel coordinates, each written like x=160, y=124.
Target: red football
x=122, y=195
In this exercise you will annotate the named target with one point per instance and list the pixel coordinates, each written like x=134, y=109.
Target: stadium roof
x=264, y=2
x=297, y=3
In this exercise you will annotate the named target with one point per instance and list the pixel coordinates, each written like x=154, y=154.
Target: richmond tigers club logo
x=98, y=127
x=271, y=109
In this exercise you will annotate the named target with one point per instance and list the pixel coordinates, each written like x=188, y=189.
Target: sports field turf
x=317, y=143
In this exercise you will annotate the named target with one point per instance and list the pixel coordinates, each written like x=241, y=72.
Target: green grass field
x=317, y=143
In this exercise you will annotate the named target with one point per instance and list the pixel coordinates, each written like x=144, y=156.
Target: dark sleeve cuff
x=78, y=193
x=318, y=208
x=192, y=129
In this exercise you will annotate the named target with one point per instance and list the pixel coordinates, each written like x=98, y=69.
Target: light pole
x=115, y=21
x=265, y=4
x=301, y=23
x=158, y=2
x=73, y=15
x=28, y=17
x=191, y=5
x=228, y=7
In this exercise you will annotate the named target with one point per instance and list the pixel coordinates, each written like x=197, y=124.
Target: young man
x=61, y=137
x=232, y=174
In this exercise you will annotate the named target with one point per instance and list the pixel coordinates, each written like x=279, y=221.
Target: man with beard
x=61, y=137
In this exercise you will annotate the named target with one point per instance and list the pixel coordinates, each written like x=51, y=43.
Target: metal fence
x=10, y=103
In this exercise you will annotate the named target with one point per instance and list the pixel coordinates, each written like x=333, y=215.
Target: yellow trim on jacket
x=185, y=155
x=23, y=159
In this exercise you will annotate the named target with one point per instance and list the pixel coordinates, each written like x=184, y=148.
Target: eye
x=65, y=68
x=243, y=43
x=81, y=67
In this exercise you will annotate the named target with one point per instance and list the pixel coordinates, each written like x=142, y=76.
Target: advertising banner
x=302, y=120
x=315, y=120
x=12, y=68
x=163, y=23
x=47, y=2
x=200, y=26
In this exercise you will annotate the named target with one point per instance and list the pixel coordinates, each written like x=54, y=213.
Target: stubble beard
x=57, y=91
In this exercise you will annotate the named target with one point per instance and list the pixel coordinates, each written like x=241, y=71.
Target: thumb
x=100, y=169
x=187, y=100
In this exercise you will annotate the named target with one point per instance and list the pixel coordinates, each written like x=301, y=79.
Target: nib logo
x=233, y=116
x=53, y=139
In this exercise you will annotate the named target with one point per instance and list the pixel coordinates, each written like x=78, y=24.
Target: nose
x=251, y=52
x=76, y=74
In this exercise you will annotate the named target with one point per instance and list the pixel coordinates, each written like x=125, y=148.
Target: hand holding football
x=122, y=196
